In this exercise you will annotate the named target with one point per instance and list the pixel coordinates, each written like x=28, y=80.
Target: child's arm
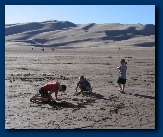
x=76, y=88
x=77, y=85
x=50, y=96
x=56, y=93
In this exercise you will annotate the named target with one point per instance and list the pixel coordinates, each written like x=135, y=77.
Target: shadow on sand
x=61, y=105
x=80, y=103
x=139, y=95
x=92, y=95
x=149, y=97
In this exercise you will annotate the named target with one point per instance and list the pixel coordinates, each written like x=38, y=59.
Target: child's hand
x=119, y=67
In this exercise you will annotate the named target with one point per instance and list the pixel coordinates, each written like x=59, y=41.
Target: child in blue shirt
x=83, y=85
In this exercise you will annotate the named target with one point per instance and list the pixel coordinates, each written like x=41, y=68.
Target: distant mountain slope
x=64, y=33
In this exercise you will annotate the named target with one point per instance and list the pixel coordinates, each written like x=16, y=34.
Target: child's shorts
x=121, y=81
x=84, y=88
x=43, y=92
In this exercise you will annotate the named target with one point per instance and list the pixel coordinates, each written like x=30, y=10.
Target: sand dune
x=60, y=33
x=58, y=25
x=15, y=29
x=86, y=26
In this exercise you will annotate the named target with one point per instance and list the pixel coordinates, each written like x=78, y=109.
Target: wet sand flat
x=105, y=108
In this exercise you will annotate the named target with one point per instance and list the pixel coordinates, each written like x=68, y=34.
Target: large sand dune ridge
x=64, y=33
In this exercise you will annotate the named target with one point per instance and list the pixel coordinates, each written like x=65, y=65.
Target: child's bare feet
x=122, y=91
x=76, y=93
x=119, y=89
x=31, y=100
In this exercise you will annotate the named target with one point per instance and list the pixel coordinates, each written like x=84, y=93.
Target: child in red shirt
x=46, y=90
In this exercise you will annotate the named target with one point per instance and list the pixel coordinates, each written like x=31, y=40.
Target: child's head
x=81, y=78
x=122, y=61
x=62, y=88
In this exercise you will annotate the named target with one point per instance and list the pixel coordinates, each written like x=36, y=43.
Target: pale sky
x=81, y=14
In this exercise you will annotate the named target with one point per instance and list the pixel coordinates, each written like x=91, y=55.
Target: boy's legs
x=41, y=99
x=89, y=89
x=34, y=97
x=38, y=97
x=120, y=86
x=119, y=81
x=123, y=86
x=85, y=88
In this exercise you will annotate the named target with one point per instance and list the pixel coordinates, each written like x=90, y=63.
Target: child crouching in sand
x=83, y=85
x=122, y=75
x=45, y=96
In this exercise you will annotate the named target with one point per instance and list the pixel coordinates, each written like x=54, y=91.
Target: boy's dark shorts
x=84, y=88
x=43, y=92
x=121, y=81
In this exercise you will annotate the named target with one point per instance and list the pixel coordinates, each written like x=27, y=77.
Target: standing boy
x=122, y=75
